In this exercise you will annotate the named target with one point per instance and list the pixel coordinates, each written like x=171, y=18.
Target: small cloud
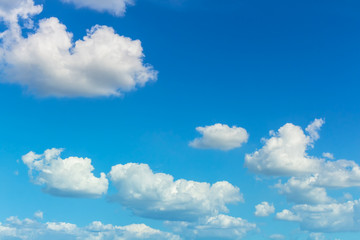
x=219, y=227
x=313, y=129
x=39, y=215
x=287, y=215
x=328, y=155
x=277, y=236
x=264, y=209
x=115, y=7
x=316, y=236
x=220, y=136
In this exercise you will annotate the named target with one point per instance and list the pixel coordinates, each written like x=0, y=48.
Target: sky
x=179, y=119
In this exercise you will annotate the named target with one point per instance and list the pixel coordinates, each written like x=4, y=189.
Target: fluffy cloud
x=332, y=217
x=284, y=154
x=219, y=226
x=69, y=177
x=49, y=63
x=220, y=136
x=303, y=191
x=11, y=10
x=287, y=215
x=264, y=209
x=29, y=229
x=340, y=173
x=158, y=196
x=115, y=7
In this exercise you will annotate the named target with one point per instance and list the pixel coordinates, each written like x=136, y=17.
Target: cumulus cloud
x=284, y=154
x=220, y=136
x=332, y=217
x=115, y=7
x=264, y=209
x=303, y=191
x=158, y=196
x=340, y=173
x=10, y=11
x=49, y=63
x=287, y=215
x=69, y=177
x=220, y=226
x=29, y=229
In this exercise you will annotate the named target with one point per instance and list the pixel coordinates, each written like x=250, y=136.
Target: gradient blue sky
x=253, y=64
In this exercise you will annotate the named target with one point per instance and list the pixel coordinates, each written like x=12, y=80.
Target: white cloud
x=29, y=229
x=316, y=236
x=264, y=209
x=313, y=129
x=115, y=7
x=284, y=154
x=49, y=63
x=219, y=226
x=11, y=10
x=340, y=173
x=158, y=196
x=277, y=236
x=68, y=228
x=332, y=217
x=287, y=215
x=303, y=191
x=220, y=136
x=69, y=177
x=39, y=215
x=328, y=155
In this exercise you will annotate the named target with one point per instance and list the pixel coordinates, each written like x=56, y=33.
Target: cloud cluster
x=264, y=209
x=49, y=63
x=332, y=217
x=115, y=7
x=220, y=226
x=29, y=229
x=69, y=177
x=303, y=191
x=158, y=196
x=220, y=136
x=285, y=154
x=193, y=207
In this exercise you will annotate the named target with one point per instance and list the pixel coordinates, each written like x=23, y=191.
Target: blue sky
x=155, y=124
